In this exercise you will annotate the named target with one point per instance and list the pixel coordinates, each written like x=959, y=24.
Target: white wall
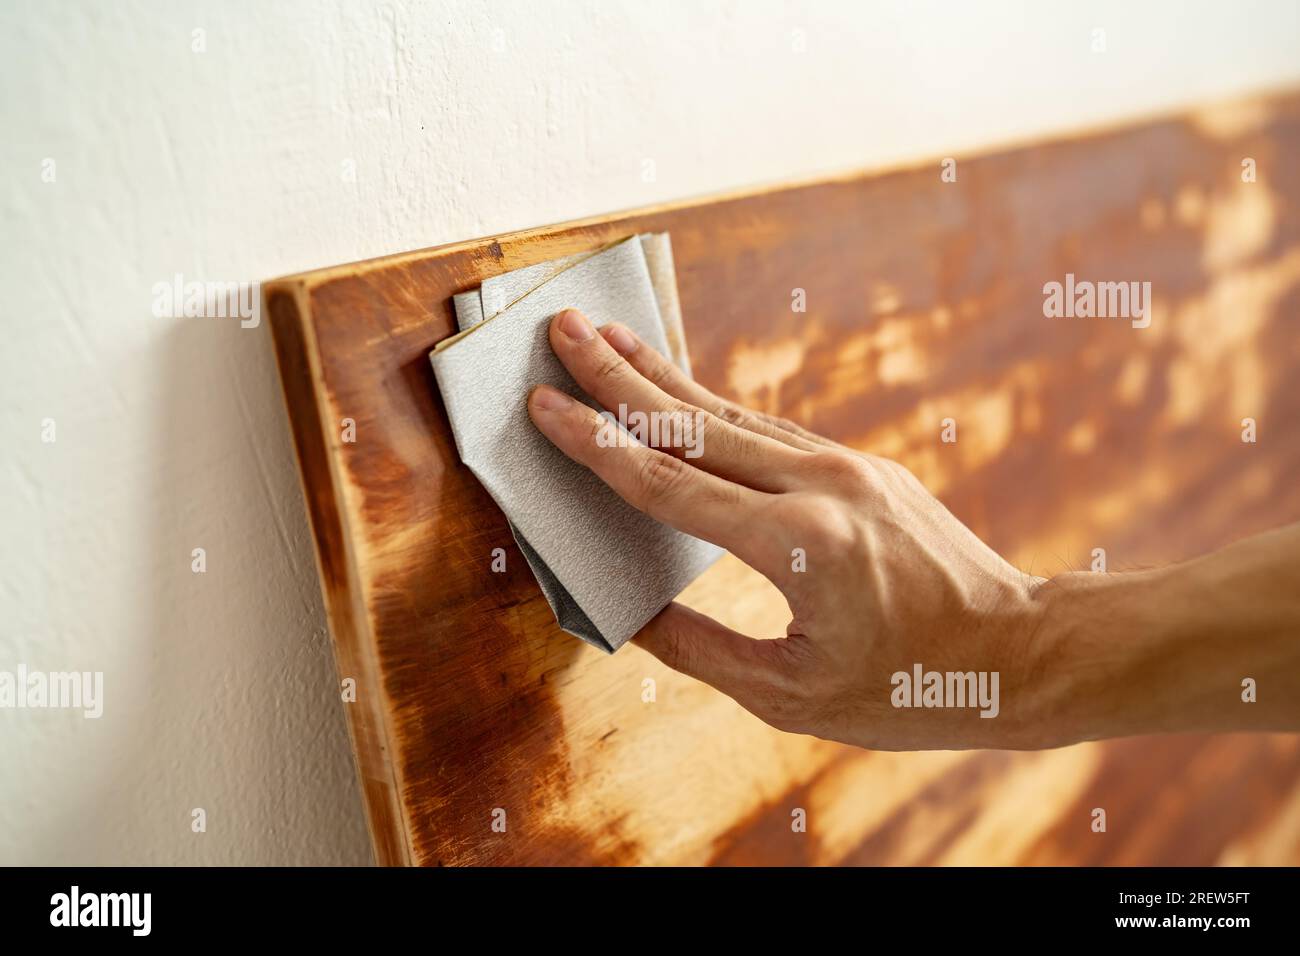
x=462, y=119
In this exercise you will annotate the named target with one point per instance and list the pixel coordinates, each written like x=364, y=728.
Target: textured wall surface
x=279, y=137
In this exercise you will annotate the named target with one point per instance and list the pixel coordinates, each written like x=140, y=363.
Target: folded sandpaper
x=604, y=567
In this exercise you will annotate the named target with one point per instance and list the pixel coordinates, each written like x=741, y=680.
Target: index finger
x=664, y=487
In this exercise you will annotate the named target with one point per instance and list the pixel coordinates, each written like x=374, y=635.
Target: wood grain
x=924, y=301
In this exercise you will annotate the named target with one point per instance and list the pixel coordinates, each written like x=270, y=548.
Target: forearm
x=1169, y=650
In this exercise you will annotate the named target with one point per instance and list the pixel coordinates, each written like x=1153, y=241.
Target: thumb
x=698, y=646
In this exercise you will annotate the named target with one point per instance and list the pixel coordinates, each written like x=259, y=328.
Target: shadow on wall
x=237, y=710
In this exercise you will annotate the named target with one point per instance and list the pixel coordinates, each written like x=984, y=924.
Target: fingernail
x=549, y=399
x=575, y=325
x=623, y=341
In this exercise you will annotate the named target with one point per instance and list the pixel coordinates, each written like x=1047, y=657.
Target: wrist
x=1097, y=662
x=1206, y=645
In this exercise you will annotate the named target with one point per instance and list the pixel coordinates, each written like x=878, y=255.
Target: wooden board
x=924, y=301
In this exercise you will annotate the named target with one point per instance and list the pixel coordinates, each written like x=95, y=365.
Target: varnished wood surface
x=924, y=301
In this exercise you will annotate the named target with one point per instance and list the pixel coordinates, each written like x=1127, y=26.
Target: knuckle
x=659, y=371
x=609, y=367
x=684, y=410
x=737, y=438
x=659, y=476
x=725, y=444
x=733, y=415
x=726, y=496
x=786, y=425
x=678, y=651
x=848, y=473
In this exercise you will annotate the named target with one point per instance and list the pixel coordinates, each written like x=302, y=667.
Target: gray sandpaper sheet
x=604, y=567
x=498, y=292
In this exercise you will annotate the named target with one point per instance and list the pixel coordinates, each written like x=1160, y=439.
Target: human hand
x=890, y=580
